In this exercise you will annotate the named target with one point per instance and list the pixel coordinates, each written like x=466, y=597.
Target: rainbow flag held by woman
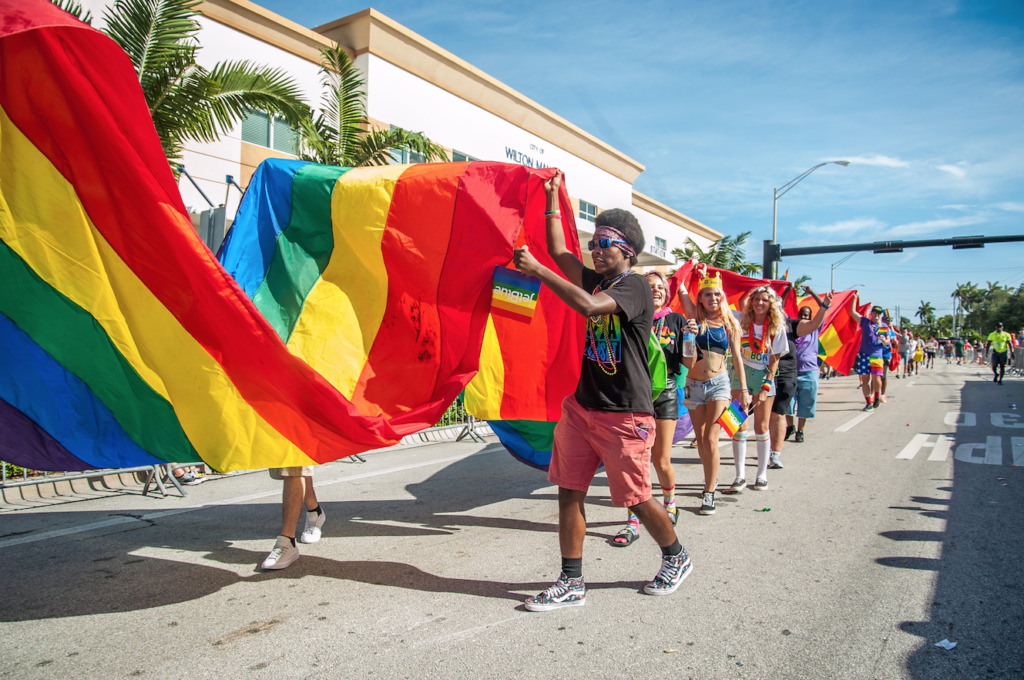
x=124, y=342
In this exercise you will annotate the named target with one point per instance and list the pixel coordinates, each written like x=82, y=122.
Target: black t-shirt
x=669, y=330
x=621, y=350
x=787, y=362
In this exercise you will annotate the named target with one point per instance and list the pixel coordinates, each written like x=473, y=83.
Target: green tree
x=189, y=102
x=340, y=134
x=726, y=253
x=926, y=313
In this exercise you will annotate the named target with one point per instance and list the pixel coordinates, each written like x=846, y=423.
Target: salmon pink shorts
x=585, y=438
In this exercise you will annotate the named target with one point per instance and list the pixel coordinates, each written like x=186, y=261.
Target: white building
x=414, y=84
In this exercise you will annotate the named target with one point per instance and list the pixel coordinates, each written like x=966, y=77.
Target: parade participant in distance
x=668, y=328
x=707, y=383
x=763, y=341
x=802, y=363
x=610, y=418
x=869, y=358
x=904, y=353
x=931, y=349
x=1001, y=344
x=885, y=333
x=958, y=348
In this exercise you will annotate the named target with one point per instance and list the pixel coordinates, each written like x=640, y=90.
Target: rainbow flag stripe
x=125, y=342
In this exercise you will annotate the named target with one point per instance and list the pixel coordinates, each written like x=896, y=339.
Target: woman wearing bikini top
x=707, y=384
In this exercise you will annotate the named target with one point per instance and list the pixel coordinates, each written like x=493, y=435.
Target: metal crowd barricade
x=456, y=426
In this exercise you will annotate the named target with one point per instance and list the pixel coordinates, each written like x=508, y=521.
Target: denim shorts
x=701, y=392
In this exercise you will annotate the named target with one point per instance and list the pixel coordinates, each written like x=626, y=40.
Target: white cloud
x=876, y=159
x=1011, y=207
x=957, y=206
x=955, y=170
x=931, y=226
x=846, y=226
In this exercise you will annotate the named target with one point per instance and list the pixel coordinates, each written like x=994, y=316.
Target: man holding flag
x=869, y=362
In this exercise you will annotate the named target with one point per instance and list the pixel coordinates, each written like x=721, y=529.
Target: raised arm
x=853, y=309
x=559, y=252
x=571, y=294
x=807, y=326
x=689, y=309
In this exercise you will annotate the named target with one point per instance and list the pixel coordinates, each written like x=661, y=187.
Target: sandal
x=625, y=537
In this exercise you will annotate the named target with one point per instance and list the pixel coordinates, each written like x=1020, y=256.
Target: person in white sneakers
x=298, y=492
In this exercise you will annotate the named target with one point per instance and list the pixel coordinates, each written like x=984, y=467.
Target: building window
x=459, y=157
x=660, y=243
x=270, y=131
x=588, y=211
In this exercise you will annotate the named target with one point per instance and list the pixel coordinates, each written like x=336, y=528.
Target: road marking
x=940, y=451
x=940, y=447
x=993, y=448
x=915, y=444
x=853, y=422
x=1008, y=420
x=1017, y=447
x=953, y=418
x=115, y=521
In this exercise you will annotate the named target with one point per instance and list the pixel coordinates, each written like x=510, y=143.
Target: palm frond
x=153, y=33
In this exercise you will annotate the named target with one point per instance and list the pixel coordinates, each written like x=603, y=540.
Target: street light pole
x=781, y=191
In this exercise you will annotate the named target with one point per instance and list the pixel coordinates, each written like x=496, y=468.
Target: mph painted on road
x=989, y=452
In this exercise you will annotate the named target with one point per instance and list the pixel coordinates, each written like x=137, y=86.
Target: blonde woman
x=707, y=383
x=762, y=341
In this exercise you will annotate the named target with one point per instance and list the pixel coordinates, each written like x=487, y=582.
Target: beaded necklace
x=602, y=323
x=763, y=345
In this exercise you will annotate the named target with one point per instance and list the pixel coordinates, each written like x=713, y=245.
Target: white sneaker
x=311, y=534
x=739, y=485
x=775, y=461
x=283, y=554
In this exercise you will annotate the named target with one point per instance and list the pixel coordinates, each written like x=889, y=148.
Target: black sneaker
x=707, y=506
x=869, y=407
x=567, y=592
x=799, y=437
x=789, y=432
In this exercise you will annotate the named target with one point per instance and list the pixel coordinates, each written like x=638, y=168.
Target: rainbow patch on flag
x=515, y=293
x=732, y=418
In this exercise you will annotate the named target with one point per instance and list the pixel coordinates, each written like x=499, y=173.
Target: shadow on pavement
x=105, y=574
x=979, y=590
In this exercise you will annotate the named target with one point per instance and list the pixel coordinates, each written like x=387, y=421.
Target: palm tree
x=926, y=313
x=188, y=102
x=800, y=284
x=726, y=253
x=340, y=133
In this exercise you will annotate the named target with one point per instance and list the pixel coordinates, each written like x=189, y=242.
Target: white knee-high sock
x=763, y=444
x=739, y=453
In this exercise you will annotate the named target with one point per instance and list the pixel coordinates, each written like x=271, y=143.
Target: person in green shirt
x=1001, y=344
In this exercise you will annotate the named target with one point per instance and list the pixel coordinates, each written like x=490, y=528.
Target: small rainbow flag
x=733, y=418
x=515, y=293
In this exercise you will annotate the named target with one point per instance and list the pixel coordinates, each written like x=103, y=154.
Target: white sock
x=739, y=453
x=763, y=444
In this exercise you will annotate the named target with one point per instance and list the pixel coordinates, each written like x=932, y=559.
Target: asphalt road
x=884, y=534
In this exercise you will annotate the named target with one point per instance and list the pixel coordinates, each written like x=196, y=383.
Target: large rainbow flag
x=123, y=340
x=839, y=336
x=735, y=286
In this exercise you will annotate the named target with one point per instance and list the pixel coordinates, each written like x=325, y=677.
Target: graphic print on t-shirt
x=607, y=336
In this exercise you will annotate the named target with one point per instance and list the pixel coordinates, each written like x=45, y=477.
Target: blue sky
x=724, y=101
